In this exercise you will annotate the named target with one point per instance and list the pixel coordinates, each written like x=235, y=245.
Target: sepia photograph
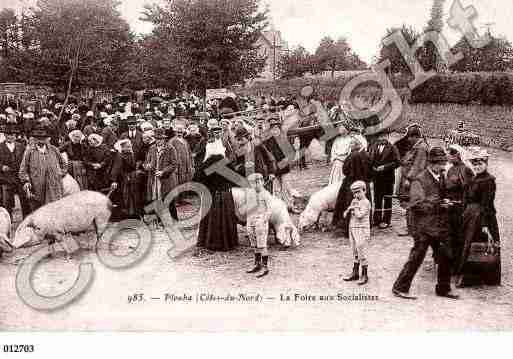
x=277, y=166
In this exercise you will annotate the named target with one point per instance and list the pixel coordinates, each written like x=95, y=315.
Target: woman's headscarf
x=215, y=148
x=95, y=137
x=118, y=144
x=76, y=135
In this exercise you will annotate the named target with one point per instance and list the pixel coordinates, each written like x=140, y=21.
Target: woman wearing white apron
x=340, y=149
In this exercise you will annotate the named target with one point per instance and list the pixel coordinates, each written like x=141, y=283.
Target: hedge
x=328, y=90
x=493, y=124
x=467, y=88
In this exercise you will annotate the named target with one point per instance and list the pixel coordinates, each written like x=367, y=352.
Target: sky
x=362, y=22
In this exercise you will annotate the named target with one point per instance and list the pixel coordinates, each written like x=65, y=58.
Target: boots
x=355, y=275
x=364, y=278
x=266, y=269
x=258, y=263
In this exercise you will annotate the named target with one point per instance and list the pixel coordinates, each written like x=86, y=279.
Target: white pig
x=5, y=230
x=70, y=185
x=75, y=213
x=286, y=232
x=322, y=200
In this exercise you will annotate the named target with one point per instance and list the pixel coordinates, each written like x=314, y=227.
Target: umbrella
x=156, y=99
x=121, y=98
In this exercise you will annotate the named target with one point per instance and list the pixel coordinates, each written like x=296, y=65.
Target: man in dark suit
x=430, y=219
x=252, y=158
x=384, y=158
x=135, y=137
x=11, y=154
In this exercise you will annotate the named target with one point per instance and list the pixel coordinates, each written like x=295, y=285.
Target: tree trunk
x=74, y=67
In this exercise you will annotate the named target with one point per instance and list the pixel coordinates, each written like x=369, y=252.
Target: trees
x=295, y=63
x=333, y=55
x=390, y=52
x=8, y=32
x=210, y=43
x=84, y=39
x=17, y=39
x=497, y=55
x=68, y=43
x=429, y=57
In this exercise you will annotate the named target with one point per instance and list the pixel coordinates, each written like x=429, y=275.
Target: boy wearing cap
x=257, y=222
x=359, y=231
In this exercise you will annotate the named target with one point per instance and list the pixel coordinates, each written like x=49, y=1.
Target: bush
x=491, y=123
x=327, y=89
x=467, y=88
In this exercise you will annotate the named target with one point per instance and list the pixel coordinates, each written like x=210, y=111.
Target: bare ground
x=315, y=269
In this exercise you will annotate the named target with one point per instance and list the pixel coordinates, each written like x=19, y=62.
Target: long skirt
x=128, y=199
x=79, y=173
x=472, y=228
x=218, y=229
x=336, y=174
x=97, y=180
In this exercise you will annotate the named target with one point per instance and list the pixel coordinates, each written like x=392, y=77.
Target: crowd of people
x=139, y=153
x=448, y=195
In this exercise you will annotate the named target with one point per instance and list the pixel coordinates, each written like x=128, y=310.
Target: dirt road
x=310, y=271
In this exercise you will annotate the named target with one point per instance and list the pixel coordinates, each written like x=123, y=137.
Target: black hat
x=413, y=130
x=131, y=120
x=437, y=154
x=10, y=128
x=40, y=132
x=242, y=132
x=160, y=134
x=275, y=121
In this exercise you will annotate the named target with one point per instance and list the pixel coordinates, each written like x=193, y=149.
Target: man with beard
x=42, y=170
x=134, y=135
x=183, y=152
x=161, y=167
x=11, y=154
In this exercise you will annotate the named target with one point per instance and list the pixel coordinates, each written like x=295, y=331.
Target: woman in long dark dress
x=357, y=167
x=218, y=229
x=97, y=160
x=75, y=150
x=125, y=181
x=458, y=178
x=479, y=213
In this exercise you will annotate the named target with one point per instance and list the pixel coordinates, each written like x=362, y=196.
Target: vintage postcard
x=255, y=166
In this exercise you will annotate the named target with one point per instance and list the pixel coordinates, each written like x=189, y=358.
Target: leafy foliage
x=56, y=38
x=208, y=43
x=496, y=56
x=398, y=64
